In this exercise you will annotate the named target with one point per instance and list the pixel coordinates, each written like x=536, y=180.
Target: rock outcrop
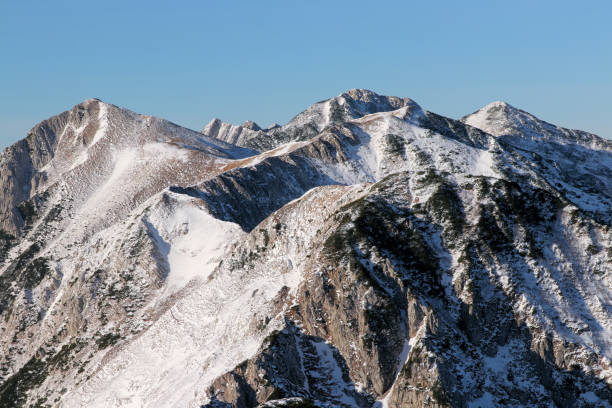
x=368, y=253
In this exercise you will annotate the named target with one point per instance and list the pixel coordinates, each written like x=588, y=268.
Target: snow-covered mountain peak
x=90, y=103
x=378, y=102
x=89, y=100
x=502, y=119
x=364, y=102
x=498, y=104
x=212, y=126
x=577, y=163
x=360, y=93
x=497, y=118
x=99, y=150
x=352, y=104
x=249, y=124
x=372, y=254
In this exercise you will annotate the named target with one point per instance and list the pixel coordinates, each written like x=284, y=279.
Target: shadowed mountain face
x=368, y=253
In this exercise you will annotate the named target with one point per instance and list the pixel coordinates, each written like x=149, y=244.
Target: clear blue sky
x=190, y=61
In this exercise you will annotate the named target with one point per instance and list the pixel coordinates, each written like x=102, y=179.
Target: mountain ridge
x=368, y=253
x=502, y=119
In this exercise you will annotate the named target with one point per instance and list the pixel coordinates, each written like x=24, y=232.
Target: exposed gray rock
x=372, y=254
x=352, y=104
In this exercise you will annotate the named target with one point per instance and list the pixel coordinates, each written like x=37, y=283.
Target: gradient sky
x=190, y=61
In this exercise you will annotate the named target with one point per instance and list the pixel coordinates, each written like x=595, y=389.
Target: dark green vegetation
x=379, y=224
x=13, y=392
x=6, y=243
x=62, y=359
x=445, y=208
x=107, y=340
x=28, y=212
x=35, y=272
x=532, y=211
x=25, y=272
x=54, y=214
x=395, y=144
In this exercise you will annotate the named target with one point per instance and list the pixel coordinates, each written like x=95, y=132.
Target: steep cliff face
x=19, y=166
x=369, y=254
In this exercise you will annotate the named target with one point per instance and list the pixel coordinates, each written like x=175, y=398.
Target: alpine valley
x=368, y=253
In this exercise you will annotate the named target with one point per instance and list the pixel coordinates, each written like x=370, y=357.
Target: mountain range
x=368, y=253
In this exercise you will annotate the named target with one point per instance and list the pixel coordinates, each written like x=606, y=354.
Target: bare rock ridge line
x=368, y=253
x=350, y=105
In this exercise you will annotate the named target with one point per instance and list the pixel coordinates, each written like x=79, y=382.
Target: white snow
x=210, y=327
x=329, y=367
x=403, y=359
x=102, y=123
x=279, y=151
x=192, y=239
x=370, y=162
x=205, y=326
x=165, y=151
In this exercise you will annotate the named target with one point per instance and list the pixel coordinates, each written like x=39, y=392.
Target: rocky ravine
x=367, y=254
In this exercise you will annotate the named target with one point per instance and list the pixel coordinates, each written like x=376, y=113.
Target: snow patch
x=165, y=151
x=192, y=239
x=102, y=123
x=329, y=365
x=403, y=359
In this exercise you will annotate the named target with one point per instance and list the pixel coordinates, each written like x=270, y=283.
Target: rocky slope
x=367, y=254
x=352, y=104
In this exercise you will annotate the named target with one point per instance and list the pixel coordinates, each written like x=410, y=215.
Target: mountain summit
x=368, y=253
x=352, y=104
x=500, y=118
